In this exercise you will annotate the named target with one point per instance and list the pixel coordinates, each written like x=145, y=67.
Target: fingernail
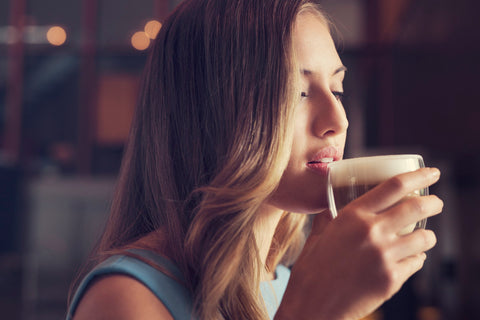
x=434, y=172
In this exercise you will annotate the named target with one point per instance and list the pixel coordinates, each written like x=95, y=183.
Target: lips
x=322, y=160
x=319, y=162
x=327, y=155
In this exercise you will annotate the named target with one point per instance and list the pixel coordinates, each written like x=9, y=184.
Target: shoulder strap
x=272, y=291
x=176, y=298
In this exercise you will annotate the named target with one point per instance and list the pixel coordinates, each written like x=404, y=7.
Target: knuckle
x=418, y=266
x=365, y=228
x=398, y=184
x=387, y=277
x=428, y=238
x=439, y=202
x=380, y=252
x=417, y=204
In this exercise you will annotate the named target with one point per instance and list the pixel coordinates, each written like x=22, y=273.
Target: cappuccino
x=349, y=179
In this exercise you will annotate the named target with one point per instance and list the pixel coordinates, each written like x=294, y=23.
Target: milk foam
x=371, y=170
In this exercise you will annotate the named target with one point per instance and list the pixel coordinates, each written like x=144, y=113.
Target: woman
x=240, y=113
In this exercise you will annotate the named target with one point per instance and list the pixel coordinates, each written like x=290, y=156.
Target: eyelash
x=338, y=95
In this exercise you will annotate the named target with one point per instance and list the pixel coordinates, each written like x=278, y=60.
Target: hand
x=349, y=267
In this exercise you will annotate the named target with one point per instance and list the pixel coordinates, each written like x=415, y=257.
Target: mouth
x=322, y=160
x=327, y=155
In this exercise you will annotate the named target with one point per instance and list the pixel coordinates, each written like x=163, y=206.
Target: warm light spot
x=56, y=36
x=140, y=40
x=152, y=28
x=429, y=313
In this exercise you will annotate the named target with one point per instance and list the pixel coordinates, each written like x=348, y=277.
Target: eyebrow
x=338, y=70
x=341, y=69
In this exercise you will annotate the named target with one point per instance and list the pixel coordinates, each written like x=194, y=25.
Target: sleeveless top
x=176, y=298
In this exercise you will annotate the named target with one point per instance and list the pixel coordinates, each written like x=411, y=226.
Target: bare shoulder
x=120, y=297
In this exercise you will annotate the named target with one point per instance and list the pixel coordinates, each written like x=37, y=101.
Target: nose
x=330, y=118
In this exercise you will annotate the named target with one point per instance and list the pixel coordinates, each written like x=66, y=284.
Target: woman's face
x=320, y=123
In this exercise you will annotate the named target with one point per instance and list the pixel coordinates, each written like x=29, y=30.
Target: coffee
x=345, y=194
x=349, y=179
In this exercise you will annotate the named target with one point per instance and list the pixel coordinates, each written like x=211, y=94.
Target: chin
x=307, y=206
x=318, y=204
x=302, y=198
x=313, y=210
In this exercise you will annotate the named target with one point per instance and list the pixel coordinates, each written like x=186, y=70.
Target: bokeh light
x=56, y=36
x=429, y=313
x=140, y=40
x=152, y=28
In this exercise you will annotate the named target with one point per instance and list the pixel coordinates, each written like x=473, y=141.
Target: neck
x=269, y=217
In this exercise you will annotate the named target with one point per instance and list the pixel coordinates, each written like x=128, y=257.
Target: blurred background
x=69, y=77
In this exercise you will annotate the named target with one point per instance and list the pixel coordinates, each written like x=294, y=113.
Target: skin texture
x=320, y=119
x=350, y=265
x=359, y=259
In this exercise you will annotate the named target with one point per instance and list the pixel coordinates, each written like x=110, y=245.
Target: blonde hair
x=209, y=142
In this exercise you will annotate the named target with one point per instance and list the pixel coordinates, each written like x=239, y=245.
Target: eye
x=304, y=94
x=339, y=95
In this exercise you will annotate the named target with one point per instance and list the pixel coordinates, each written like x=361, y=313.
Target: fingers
x=393, y=277
x=410, y=210
x=413, y=244
x=411, y=264
x=394, y=189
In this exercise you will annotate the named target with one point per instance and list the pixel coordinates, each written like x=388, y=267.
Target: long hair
x=209, y=142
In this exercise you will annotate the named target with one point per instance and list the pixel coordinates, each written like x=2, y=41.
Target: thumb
x=320, y=222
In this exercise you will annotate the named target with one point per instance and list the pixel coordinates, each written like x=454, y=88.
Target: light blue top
x=176, y=298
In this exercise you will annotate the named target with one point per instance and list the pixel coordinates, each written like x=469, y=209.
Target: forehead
x=313, y=45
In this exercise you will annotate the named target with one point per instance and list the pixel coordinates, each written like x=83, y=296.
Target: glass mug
x=349, y=179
